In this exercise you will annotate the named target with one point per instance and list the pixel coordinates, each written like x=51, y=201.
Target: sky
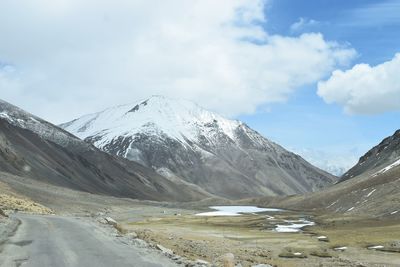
x=320, y=77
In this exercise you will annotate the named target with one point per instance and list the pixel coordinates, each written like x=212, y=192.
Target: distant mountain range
x=186, y=153
x=334, y=162
x=186, y=143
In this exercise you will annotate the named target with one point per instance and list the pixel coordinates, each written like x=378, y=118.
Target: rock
x=395, y=244
x=202, y=263
x=111, y=221
x=164, y=250
x=140, y=243
x=323, y=238
x=228, y=260
x=132, y=235
x=176, y=258
x=102, y=220
x=2, y=213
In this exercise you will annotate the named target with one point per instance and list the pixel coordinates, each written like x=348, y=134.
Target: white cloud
x=303, y=24
x=331, y=159
x=81, y=56
x=365, y=89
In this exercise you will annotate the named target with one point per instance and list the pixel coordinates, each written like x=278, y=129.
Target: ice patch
x=235, y=210
x=376, y=247
x=293, y=226
x=394, y=212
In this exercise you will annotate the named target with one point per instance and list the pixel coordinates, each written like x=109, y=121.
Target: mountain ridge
x=378, y=157
x=34, y=148
x=225, y=157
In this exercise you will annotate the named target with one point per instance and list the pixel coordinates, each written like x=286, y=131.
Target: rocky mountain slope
x=380, y=156
x=31, y=147
x=370, y=188
x=182, y=141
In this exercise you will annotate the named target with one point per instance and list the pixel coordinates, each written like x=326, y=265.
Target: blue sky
x=305, y=120
x=320, y=77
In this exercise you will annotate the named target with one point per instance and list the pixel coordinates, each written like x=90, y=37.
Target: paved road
x=42, y=241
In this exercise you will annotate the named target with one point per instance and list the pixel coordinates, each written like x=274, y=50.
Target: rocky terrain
x=380, y=156
x=184, y=142
x=132, y=210
x=371, y=188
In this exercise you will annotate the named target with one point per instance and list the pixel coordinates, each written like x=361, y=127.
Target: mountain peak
x=183, y=141
x=180, y=119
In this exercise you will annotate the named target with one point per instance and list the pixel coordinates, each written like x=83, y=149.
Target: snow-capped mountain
x=334, y=162
x=181, y=140
x=33, y=148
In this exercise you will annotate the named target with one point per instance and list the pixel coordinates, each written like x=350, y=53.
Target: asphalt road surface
x=42, y=241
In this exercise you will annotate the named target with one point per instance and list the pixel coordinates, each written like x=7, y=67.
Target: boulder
x=164, y=250
x=132, y=235
x=140, y=243
x=111, y=221
x=2, y=213
x=228, y=260
x=202, y=263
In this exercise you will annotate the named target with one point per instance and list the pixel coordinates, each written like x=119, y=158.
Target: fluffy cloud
x=365, y=89
x=303, y=24
x=82, y=56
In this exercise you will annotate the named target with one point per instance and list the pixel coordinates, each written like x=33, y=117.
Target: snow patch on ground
x=235, y=210
x=376, y=247
x=394, y=164
x=293, y=226
x=370, y=193
x=4, y=115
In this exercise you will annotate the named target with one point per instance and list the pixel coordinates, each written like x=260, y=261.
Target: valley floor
x=252, y=240
x=174, y=226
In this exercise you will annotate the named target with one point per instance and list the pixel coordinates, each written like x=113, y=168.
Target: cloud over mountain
x=217, y=53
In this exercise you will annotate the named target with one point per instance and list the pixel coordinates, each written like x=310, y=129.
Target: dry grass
x=359, y=232
x=13, y=202
x=249, y=238
x=321, y=253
